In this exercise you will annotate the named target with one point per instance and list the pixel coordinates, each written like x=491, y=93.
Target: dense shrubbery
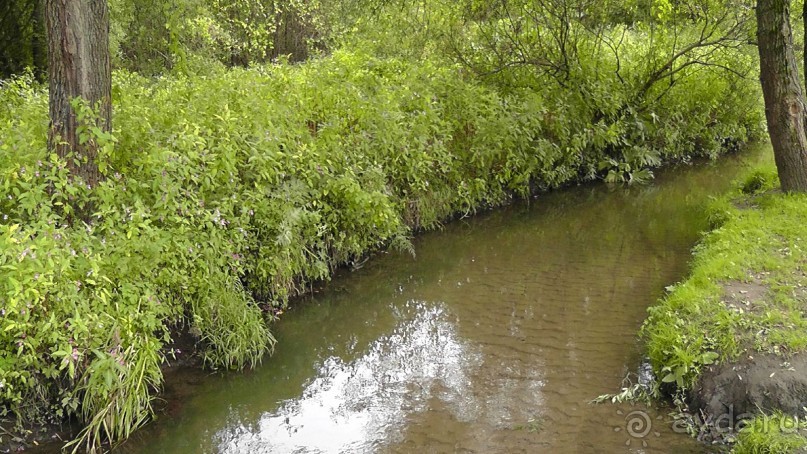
x=226, y=192
x=156, y=36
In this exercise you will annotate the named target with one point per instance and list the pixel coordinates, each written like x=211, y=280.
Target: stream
x=494, y=338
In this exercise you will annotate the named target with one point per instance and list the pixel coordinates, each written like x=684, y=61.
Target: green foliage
x=686, y=366
x=769, y=434
x=759, y=180
x=226, y=192
x=235, y=332
x=156, y=36
x=23, y=43
x=624, y=86
x=757, y=239
x=631, y=393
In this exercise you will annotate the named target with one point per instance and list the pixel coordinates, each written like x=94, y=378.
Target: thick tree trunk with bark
x=78, y=61
x=785, y=107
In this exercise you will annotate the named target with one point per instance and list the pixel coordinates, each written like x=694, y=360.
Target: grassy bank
x=229, y=192
x=744, y=301
x=772, y=434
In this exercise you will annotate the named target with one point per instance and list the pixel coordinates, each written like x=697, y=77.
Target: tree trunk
x=784, y=102
x=39, y=44
x=78, y=58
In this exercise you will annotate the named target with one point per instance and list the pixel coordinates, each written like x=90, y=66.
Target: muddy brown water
x=493, y=339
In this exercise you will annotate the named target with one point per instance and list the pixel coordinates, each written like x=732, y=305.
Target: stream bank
x=732, y=337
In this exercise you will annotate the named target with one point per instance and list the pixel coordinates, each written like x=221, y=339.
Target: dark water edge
x=493, y=339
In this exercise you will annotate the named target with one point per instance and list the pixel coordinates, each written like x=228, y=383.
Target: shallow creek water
x=493, y=339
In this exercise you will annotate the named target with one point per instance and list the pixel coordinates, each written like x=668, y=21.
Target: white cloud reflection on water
x=363, y=404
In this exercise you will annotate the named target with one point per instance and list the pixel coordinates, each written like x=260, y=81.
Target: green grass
x=756, y=244
x=771, y=434
x=759, y=242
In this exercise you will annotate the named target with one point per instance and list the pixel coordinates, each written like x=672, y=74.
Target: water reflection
x=356, y=406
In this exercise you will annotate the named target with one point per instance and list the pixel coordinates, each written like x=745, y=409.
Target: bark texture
x=784, y=100
x=78, y=60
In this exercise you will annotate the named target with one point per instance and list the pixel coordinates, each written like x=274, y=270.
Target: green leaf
x=669, y=378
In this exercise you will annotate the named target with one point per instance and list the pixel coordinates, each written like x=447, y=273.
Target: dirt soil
x=728, y=394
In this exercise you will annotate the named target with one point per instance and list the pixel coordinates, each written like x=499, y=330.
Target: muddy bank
x=35, y=438
x=728, y=396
